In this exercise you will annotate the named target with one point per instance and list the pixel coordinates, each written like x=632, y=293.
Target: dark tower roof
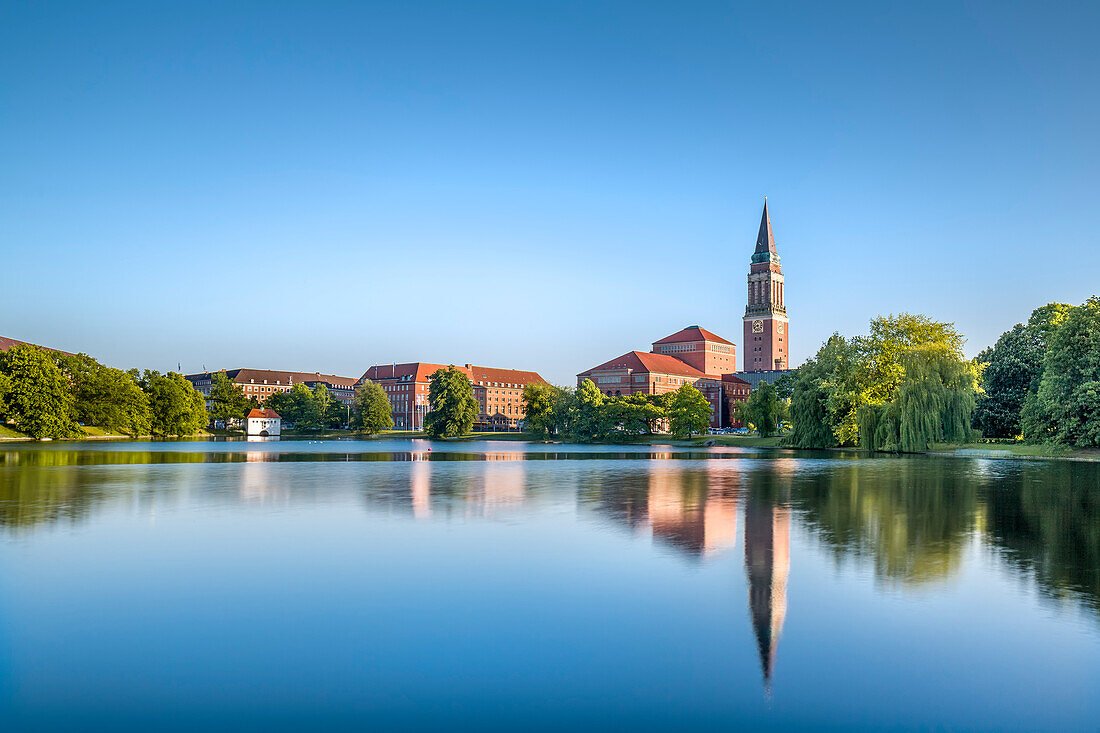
x=765, y=240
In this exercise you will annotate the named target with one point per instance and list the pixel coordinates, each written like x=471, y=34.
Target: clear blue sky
x=537, y=185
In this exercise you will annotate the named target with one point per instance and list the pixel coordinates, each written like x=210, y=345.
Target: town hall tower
x=767, y=336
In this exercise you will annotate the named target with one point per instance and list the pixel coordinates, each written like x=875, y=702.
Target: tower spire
x=765, y=240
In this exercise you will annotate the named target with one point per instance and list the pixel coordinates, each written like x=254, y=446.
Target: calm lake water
x=502, y=586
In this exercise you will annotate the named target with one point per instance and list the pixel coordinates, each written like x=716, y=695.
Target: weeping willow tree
x=933, y=403
x=904, y=384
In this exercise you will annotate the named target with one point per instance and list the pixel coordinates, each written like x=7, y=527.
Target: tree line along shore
x=905, y=386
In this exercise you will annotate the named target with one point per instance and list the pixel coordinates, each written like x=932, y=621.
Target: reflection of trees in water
x=915, y=517
x=1045, y=517
x=911, y=517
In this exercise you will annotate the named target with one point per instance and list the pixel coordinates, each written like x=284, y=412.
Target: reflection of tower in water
x=767, y=562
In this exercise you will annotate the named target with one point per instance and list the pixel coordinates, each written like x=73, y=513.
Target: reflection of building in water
x=694, y=510
x=767, y=562
x=258, y=483
x=420, y=483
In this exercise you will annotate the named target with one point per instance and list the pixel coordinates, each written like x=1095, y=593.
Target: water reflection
x=909, y=520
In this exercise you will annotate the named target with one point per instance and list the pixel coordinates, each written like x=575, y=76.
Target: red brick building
x=658, y=373
x=696, y=356
x=701, y=349
x=499, y=393
x=767, y=331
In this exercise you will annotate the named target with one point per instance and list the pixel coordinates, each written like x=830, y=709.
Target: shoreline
x=991, y=451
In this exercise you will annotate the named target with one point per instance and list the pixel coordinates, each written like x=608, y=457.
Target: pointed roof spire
x=765, y=240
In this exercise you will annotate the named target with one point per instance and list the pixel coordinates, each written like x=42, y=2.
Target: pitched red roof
x=419, y=371
x=692, y=333
x=642, y=361
x=502, y=376
x=254, y=412
x=7, y=344
x=273, y=376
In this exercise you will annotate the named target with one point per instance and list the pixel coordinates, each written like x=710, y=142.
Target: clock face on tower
x=758, y=326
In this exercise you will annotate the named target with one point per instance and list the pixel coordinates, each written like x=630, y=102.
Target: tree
x=814, y=397
x=228, y=402
x=1013, y=368
x=934, y=403
x=300, y=407
x=331, y=412
x=337, y=414
x=1066, y=406
x=540, y=408
x=105, y=397
x=371, y=413
x=38, y=396
x=640, y=413
x=866, y=372
x=5, y=392
x=689, y=411
x=454, y=408
x=764, y=409
x=584, y=415
x=176, y=407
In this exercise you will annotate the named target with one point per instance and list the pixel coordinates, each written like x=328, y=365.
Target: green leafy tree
x=1066, y=406
x=934, y=403
x=642, y=413
x=454, y=408
x=540, y=403
x=299, y=407
x=228, y=403
x=176, y=407
x=105, y=397
x=585, y=417
x=688, y=411
x=818, y=395
x=332, y=412
x=1013, y=369
x=847, y=376
x=371, y=413
x=5, y=392
x=38, y=398
x=764, y=409
x=338, y=414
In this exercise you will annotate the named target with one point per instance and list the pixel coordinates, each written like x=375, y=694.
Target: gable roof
x=7, y=344
x=642, y=361
x=257, y=376
x=254, y=412
x=506, y=376
x=692, y=333
x=419, y=371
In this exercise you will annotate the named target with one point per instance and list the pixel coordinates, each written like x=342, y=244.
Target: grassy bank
x=1021, y=450
x=7, y=433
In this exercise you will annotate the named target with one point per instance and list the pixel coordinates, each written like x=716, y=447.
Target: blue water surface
x=380, y=585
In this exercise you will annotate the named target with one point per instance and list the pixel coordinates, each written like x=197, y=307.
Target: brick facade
x=499, y=393
x=766, y=328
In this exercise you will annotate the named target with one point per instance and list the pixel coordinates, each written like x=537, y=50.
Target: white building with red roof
x=263, y=423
